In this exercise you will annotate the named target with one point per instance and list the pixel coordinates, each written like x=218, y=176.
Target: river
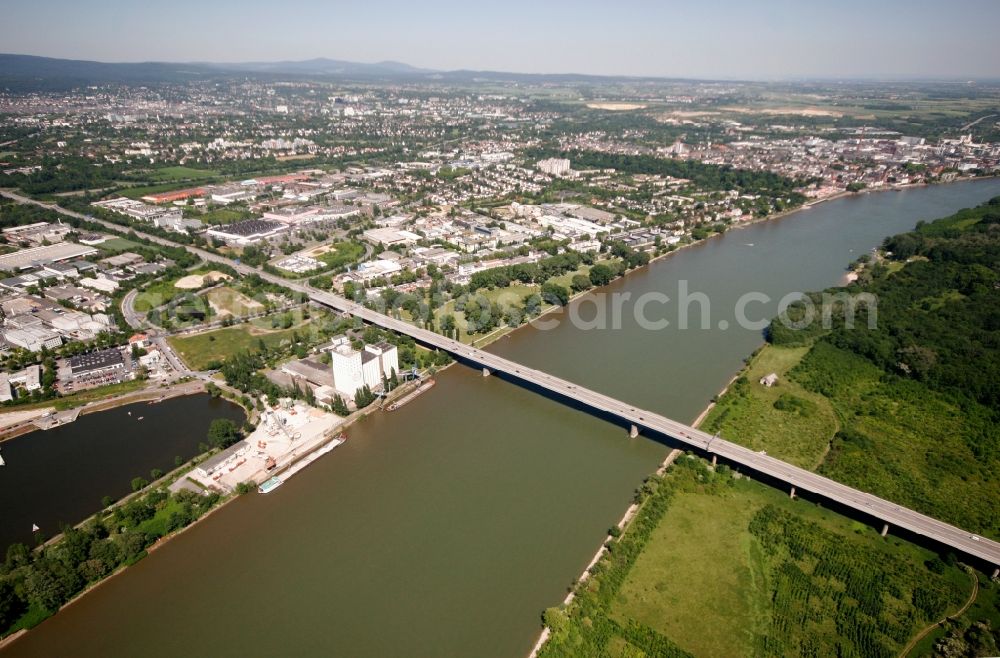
x=59, y=476
x=446, y=527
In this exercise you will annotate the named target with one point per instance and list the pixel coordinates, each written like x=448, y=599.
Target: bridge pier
x=791, y=494
x=486, y=372
x=633, y=432
x=996, y=572
x=714, y=460
x=885, y=529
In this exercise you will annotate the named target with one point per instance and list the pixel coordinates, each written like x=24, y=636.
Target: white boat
x=2, y=462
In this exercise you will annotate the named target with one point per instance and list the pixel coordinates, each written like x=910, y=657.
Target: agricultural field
x=718, y=565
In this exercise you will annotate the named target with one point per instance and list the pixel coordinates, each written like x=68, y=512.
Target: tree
x=339, y=406
x=138, y=484
x=223, y=433
x=554, y=293
x=580, y=283
x=11, y=607
x=600, y=275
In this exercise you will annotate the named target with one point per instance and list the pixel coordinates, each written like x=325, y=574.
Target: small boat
x=34, y=528
x=2, y=462
x=269, y=485
x=140, y=417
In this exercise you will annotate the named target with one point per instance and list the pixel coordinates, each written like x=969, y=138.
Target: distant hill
x=324, y=66
x=32, y=73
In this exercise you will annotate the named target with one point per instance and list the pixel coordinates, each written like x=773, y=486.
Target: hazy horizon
x=717, y=39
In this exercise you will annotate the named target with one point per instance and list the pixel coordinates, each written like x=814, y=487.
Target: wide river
x=445, y=528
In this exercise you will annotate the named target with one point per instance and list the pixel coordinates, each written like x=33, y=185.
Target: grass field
x=788, y=421
x=842, y=417
x=117, y=245
x=138, y=192
x=339, y=254
x=715, y=565
x=741, y=569
x=700, y=570
x=201, y=351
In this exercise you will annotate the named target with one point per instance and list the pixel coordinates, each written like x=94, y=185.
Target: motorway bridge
x=797, y=479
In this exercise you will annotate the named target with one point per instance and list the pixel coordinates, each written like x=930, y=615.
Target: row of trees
x=35, y=583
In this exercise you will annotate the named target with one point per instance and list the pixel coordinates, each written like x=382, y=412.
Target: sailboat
x=34, y=528
x=2, y=462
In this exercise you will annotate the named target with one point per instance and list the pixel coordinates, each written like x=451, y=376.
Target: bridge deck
x=803, y=480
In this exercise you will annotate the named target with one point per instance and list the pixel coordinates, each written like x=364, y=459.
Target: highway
x=888, y=512
x=893, y=514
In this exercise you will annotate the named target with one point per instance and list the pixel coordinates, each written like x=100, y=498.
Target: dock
x=412, y=395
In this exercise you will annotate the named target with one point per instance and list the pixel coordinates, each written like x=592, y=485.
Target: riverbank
x=173, y=476
x=365, y=500
x=148, y=394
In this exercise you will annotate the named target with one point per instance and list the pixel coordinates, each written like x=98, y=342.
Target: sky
x=745, y=39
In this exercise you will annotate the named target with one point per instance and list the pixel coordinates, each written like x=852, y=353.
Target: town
x=298, y=257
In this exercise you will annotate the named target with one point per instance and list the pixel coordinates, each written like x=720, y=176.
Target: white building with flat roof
x=388, y=359
x=348, y=376
x=353, y=369
x=554, y=166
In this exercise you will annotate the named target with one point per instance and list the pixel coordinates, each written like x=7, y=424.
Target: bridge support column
x=996, y=572
x=486, y=372
x=633, y=432
x=791, y=494
x=714, y=460
x=885, y=529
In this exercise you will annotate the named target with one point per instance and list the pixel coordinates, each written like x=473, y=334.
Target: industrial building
x=354, y=369
x=248, y=231
x=100, y=361
x=38, y=256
